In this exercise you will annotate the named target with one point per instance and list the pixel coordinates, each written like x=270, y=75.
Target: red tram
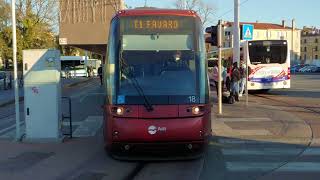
x=156, y=83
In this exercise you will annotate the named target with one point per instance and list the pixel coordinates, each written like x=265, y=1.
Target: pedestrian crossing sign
x=247, y=32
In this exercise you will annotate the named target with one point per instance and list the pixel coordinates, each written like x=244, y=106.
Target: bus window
x=261, y=52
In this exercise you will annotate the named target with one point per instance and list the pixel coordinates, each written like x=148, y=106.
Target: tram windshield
x=159, y=56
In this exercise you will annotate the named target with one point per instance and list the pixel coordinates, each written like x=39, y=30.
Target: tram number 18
x=192, y=99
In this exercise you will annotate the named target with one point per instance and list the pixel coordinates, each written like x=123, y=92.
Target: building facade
x=85, y=24
x=310, y=44
x=266, y=31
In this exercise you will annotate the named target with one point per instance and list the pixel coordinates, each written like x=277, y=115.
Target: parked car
x=297, y=67
x=309, y=68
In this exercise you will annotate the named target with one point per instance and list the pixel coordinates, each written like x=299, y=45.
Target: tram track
x=135, y=172
x=306, y=109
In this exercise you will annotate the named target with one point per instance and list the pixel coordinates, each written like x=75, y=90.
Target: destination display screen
x=156, y=24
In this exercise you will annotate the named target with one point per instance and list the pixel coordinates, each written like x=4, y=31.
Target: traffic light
x=213, y=40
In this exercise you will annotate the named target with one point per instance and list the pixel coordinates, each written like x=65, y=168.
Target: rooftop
x=261, y=25
x=156, y=11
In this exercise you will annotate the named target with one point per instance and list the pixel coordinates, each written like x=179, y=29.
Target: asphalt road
x=286, y=148
x=280, y=140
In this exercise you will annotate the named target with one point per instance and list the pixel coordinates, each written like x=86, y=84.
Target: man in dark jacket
x=235, y=79
x=100, y=74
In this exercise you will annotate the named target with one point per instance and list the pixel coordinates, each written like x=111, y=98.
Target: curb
x=11, y=102
x=77, y=83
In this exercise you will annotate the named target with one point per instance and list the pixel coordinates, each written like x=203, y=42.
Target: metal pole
x=219, y=67
x=236, y=34
x=86, y=62
x=246, y=57
x=15, y=69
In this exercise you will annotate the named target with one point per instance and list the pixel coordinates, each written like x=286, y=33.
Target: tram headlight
x=118, y=110
x=196, y=110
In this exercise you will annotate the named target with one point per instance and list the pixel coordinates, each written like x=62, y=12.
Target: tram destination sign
x=151, y=24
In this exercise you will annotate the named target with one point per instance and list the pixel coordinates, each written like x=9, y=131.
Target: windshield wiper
x=136, y=85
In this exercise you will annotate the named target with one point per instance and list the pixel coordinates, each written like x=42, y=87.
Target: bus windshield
x=268, y=52
x=159, y=53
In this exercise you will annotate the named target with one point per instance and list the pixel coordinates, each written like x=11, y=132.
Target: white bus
x=76, y=66
x=269, y=64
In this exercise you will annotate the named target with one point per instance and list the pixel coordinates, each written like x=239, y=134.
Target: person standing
x=224, y=77
x=67, y=72
x=235, y=79
x=215, y=76
x=100, y=74
x=243, y=78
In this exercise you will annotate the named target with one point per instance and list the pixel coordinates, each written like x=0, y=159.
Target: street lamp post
x=236, y=33
x=15, y=68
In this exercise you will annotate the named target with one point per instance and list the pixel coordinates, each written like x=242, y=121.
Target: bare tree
x=203, y=9
x=116, y=4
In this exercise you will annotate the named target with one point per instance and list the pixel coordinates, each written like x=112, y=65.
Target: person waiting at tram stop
x=214, y=76
x=100, y=74
x=235, y=80
x=243, y=78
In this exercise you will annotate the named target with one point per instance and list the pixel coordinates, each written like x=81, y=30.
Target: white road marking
x=262, y=119
x=222, y=128
x=89, y=127
x=313, y=151
x=251, y=166
x=301, y=167
x=235, y=141
x=266, y=166
x=263, y=151
x=10, y=129
x=256, y=166
x=86, y=88
x=90, y=94
x=8, y=119
x=66, y=123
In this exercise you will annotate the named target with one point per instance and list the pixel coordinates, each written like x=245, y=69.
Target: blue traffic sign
x=247, y=32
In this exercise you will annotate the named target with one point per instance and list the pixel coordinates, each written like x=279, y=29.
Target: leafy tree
x=4, y=14
x=34, y=27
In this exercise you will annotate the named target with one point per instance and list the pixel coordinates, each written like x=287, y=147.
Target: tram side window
x=112, y=56
x=204, y=90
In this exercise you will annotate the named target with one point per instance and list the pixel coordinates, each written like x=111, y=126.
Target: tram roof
x=156, y=11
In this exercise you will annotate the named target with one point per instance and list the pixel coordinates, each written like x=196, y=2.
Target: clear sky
x=306, y=12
